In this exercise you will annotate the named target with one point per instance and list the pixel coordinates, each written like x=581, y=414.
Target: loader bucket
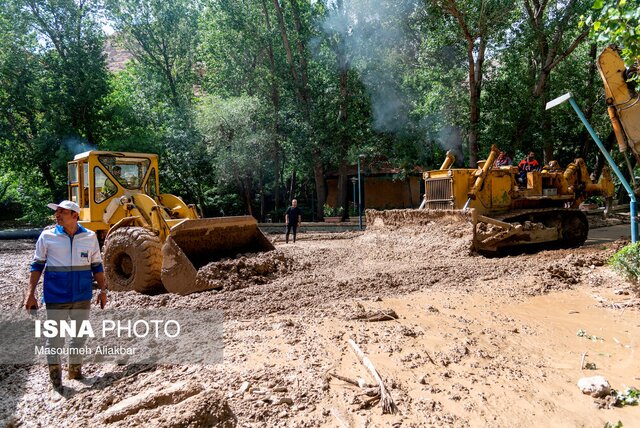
x=192, y=244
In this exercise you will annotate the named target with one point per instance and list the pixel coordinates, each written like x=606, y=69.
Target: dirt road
x=477, y=341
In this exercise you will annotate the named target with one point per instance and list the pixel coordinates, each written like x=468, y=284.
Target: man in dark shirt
x=293, y=219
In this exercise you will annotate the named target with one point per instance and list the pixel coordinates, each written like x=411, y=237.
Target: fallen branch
x=136, y=373
x=584, y=354
x=387, y=403
x=382, y=315
x=344, y=379
x=430, y=359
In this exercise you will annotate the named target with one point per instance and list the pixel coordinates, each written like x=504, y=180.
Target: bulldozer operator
x=529, y=163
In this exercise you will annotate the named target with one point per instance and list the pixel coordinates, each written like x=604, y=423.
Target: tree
x=162, y=36
x=236, y=141
x=481, y=29
x=554, y=42
x=52, y=83
x=618, y=22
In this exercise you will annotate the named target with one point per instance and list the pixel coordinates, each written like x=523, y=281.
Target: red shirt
x=527, y=165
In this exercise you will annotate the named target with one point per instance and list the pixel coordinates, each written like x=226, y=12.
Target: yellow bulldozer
x=151, y=240
x=506, y=214
x=541, y=213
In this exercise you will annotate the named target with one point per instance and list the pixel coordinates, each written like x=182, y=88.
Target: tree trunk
x=343, y=189
x=45, y=169
x=246, y=188
x=275, y=100
x=302, y=92
x=321, y=190
x=585, y=139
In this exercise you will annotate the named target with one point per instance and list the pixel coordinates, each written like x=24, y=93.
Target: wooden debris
x=376, y=316
x=360, y=383
x=137, y=372
x=387, y=403
x=345, y=379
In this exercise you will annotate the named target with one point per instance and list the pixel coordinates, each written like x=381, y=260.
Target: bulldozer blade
x=420, y=217
x=193, y=244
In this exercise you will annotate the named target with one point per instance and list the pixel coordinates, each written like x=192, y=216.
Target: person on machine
x=528, y=164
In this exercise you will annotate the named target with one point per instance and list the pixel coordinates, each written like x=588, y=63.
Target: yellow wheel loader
x=505, y=214
x=151, y=240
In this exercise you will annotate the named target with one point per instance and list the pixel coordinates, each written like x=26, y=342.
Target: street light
x=360, y=157
x=605, y=152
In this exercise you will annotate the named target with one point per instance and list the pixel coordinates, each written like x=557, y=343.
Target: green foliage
x=239, y=121
x=629, y=397
x=330, y=211
x=238, y=140
x=613, y=425
x=618, y=22
x=627, y=262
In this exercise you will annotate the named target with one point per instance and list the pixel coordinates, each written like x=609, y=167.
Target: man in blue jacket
x=70, y=257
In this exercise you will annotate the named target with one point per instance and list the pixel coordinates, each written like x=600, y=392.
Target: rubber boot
x=55, y=375
x=75, y=371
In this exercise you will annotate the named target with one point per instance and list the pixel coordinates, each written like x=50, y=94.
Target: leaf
x=596, y=25
x=598, y=4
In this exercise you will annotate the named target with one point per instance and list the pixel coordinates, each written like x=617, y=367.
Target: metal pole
x=359, y=197
x=354, y=180
x=627, y=187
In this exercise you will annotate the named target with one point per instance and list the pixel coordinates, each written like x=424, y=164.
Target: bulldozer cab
x=96, y=178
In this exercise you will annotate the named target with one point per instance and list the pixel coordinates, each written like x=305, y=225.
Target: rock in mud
x=596, y=386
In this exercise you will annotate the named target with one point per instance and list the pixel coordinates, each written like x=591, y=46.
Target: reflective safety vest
x=69, y=263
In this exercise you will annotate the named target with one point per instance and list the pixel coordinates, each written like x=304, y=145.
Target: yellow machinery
x=505, y=214
x=622, y=100
x=151, y=239
x=543, y=212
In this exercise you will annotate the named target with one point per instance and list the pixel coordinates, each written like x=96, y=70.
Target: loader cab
x=98, y=178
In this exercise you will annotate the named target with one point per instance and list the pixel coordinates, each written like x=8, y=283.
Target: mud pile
x=249, y=269
x=430, y=231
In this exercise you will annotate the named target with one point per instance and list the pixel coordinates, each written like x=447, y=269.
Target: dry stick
x=137, y=372
x=345, y=379
x=430, y=359
x=584, y=354
x=388, y=406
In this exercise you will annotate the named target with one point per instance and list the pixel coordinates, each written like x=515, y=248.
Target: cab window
x=104, y=188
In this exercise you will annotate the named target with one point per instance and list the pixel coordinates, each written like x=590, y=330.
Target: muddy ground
x=477, y=341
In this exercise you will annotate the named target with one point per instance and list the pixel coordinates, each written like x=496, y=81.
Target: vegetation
x=627, y=262
x=617, y=21
x=250, y=104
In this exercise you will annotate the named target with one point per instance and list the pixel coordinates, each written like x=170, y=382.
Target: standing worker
x=69, y=255
x=293, y=219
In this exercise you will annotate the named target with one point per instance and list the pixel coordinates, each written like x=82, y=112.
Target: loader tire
x=133, y=260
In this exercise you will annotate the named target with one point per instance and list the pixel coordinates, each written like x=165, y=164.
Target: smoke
x=77, y=145
x=373, y=37
x=380, y=45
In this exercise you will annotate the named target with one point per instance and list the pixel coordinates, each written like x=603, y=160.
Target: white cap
x=67, y=205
